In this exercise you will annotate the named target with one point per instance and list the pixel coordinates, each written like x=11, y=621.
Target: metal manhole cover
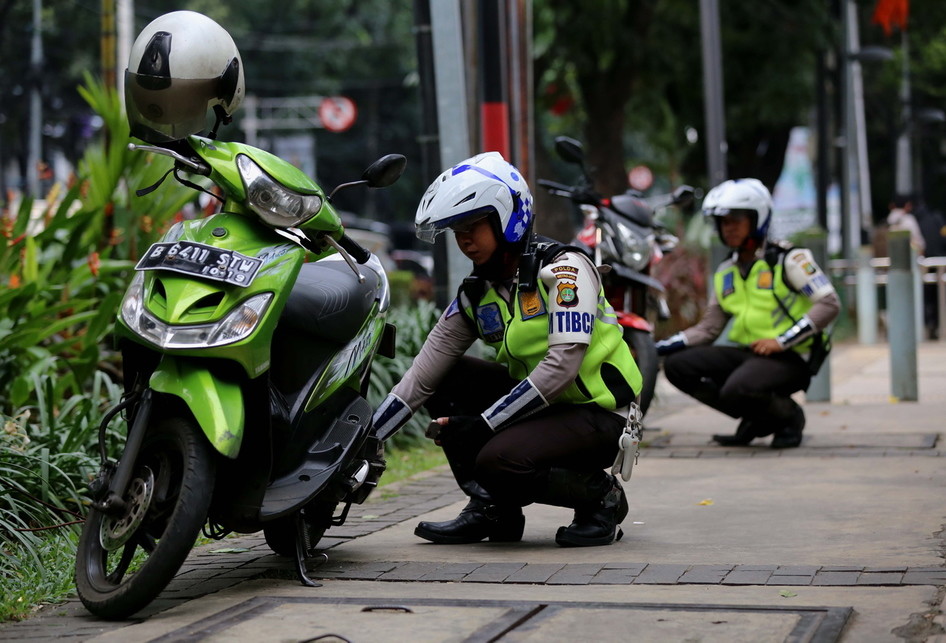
x=418, y=620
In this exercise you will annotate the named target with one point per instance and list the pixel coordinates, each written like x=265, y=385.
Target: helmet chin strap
x=508, y=255
x=221, y=118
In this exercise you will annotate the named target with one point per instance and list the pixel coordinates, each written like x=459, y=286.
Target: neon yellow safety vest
x=751, y=302
x=608, y=375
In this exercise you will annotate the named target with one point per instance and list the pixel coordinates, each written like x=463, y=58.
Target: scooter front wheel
x=124, y=562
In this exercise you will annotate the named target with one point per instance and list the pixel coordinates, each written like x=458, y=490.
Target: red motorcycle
x=621, y=231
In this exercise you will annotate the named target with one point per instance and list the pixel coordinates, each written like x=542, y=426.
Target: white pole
x=452, y=114
x=124, y=37
x=35, y=149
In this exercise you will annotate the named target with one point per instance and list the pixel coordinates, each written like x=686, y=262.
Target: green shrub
x=413, y=324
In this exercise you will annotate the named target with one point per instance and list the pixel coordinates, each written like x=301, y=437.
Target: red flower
x=94, y=263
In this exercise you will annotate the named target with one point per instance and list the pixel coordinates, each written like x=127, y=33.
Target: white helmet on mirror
x=181, y=65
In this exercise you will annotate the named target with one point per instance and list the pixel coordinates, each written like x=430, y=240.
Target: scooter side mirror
x=684, y=197
x=385, y=171
x=570, y=150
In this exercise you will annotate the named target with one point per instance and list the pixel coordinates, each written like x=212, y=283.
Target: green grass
x=43, y=573
x=404, y=463
x=25, y=585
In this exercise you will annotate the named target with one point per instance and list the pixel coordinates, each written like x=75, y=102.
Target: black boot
x=599, y=503
x=745, y=433
x=789, y=436
x=477, y=521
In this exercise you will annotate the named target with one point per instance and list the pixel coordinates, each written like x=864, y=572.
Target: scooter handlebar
x=552, y=185
x=357, y=251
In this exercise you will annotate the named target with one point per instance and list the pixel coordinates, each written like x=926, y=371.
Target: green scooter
x=247, y=340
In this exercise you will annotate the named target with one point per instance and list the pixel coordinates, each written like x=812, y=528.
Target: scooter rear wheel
x=644, y=351
x=124, y=562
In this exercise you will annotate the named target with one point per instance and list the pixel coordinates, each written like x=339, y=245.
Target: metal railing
x=932, y=270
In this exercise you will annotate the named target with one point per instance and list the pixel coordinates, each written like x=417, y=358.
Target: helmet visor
x=460, y=224
x=161, y=109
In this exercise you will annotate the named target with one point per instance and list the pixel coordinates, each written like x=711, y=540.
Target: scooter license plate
x=192, y=258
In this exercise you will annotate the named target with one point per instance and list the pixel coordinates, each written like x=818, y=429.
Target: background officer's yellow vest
x=751, y=302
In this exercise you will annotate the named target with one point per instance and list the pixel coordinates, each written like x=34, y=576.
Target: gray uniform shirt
x=452, y=336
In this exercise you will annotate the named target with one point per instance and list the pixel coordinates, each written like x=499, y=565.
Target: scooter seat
x=327, y=301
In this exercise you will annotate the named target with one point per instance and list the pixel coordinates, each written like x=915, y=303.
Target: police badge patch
x=567, y=294
x=729, y=283
x=765, y=280
x=530, y=304
x=490, y=321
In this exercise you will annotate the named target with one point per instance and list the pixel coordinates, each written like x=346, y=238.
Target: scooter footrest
x=296, y=488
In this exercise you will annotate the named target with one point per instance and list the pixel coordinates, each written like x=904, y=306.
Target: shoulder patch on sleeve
x=805, y=276
x=452, y=309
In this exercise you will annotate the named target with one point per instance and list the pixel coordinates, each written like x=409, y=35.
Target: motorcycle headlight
x=275, y=204
x=238, y=324
x=636, y=253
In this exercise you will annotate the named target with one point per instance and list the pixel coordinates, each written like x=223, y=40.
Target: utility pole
x=36, y=103
x=454, y=123
x=125, y=36
x=904, y=178
x=494, y=107
x=716, y=146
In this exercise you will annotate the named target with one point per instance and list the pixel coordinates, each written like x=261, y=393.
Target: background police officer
x=778, y=300
x=541, y=420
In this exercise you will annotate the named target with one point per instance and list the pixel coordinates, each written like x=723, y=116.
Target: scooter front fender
x=632, y=320
x=217, y=404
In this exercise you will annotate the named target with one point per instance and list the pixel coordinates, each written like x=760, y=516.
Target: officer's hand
x=766, y=347
x=671, y=344
x=459, y=428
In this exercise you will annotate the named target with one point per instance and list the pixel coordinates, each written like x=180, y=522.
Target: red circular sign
x=640, y=177
x=337, y=113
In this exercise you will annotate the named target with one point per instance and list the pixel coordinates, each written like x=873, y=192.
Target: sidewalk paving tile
x=574, y=574
x=614, y=577
x=535, y=573
x=493, y=572
x=414, y=570
x=705, y=574
x=747, y=577
x=836, y=578
x=918, y=577
x=633, y=568
x=660, y=574
x=880, y=578
x=796, y=570
x=789, y=580
x=451, y=572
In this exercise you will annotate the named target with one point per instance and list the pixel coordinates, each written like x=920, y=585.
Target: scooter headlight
x=238, y=324
x=636, y=253
x=275, y=204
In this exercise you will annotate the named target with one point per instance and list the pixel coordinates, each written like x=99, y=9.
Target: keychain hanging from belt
x=628, y=443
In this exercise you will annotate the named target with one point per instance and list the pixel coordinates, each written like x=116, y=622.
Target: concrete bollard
x=901, y=316
x=866, y=297
x=820, y=388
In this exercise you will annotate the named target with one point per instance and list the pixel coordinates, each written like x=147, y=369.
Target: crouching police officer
x=541, y=421
x=779, y=302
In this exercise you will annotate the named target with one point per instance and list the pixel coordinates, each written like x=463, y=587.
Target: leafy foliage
x=66, y=266
x=413, y=325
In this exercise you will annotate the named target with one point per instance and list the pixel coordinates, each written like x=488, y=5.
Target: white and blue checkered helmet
x=472, y=189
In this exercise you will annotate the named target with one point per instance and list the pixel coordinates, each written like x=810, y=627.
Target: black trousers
x=512, y=464
x=736, y=381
